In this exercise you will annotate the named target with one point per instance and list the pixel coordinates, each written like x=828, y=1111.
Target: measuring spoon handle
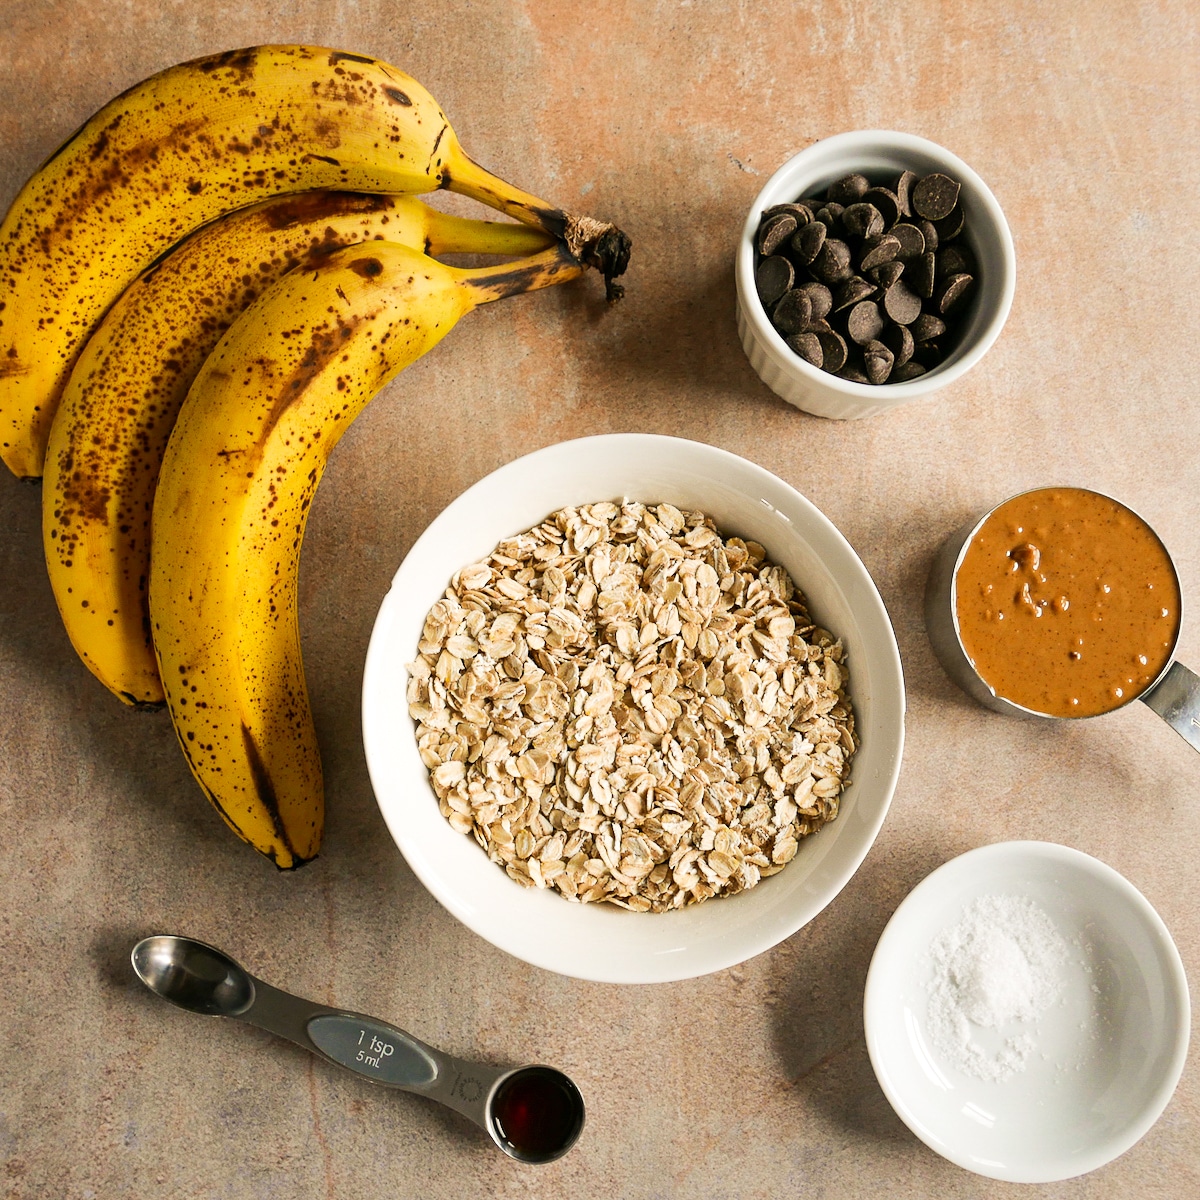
x=374, y=1049
x=1176, y=698
x=361, y=1044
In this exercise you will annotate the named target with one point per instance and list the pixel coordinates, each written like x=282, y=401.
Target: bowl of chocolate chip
x=874, y=268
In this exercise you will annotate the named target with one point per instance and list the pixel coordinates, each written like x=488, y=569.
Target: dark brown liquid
x=538, y=1112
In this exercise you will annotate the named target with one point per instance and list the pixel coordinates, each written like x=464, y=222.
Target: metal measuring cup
x=1174, y=693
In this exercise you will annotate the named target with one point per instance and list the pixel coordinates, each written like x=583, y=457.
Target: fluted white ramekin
x=876, y=154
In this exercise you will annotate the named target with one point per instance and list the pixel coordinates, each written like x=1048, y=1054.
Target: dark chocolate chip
x=807, y=242
x=878, y=250
x=833, y=348
x=865, y=322
x=899, y=341
x=877, y=361
x=847, y=189
x=927, y=326
x=820, y=297
x=949, y=227
x=929, y=233
x=808, y=346
x=910, y=370
x=850, y=291
x=911, y=239
x=801, y=212
x=819, y=325
x=904, y=187
x=774, y=231
x=853, y=373
x=935, y=196
x=885, y=200
x=862, y=221
x=886, y=273
x=772, y=277
x=901, y=304
x=953, y=292
x=832, y=264
x=955, y=260
x=793, y=312
x=830, y=214
x=919, y=275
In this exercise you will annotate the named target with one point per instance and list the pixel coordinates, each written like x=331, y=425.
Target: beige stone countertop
x=1084, y=119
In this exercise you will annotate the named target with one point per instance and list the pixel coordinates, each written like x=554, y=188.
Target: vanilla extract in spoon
x=536, y=1111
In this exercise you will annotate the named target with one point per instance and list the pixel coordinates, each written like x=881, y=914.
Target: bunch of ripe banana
x=198, y=293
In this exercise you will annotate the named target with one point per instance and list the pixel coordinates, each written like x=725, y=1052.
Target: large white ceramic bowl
x=880, y=155
x=603, y=942
x=1108, y=1056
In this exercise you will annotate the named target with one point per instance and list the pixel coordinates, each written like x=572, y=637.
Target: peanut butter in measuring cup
x=1061, y=602
x=1066, y=603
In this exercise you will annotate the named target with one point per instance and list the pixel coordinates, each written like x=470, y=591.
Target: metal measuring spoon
x=534, y=1114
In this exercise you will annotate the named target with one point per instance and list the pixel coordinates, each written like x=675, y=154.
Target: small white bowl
x=599, y=941
x=876, y=154
x=1109, y=1055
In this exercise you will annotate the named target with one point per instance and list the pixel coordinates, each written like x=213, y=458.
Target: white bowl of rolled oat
x=633, y=709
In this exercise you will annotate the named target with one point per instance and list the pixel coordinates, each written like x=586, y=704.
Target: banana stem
x=464, y=175
x=448, y=234
x=598, y=244
x=555, y=265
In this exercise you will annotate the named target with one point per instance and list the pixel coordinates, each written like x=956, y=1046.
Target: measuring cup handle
x=1176, y=698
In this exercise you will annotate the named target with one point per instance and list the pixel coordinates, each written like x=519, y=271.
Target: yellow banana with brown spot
x=237, y=480
x=189, y=144
x=120, y=403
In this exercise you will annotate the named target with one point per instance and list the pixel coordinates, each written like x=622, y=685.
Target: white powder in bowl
x=999, y=968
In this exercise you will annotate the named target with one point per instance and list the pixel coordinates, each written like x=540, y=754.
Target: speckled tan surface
x=1085, y=120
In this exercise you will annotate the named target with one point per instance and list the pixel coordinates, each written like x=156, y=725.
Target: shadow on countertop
x=817, y=995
